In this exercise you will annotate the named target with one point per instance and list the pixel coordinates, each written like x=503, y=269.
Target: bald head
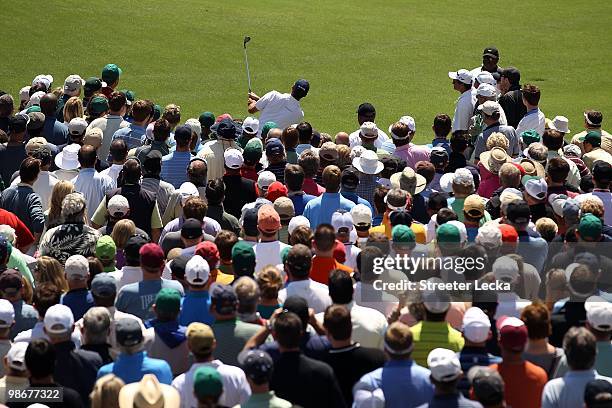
x=342, y=138
x=274, y=133
x=87, y=156
x=197, y=172
x=48, y=104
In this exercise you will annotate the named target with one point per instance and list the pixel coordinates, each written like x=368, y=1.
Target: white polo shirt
x=283, y=109
x=355, y=140
x=533, y=119
x=315, y=293
x=463, y=111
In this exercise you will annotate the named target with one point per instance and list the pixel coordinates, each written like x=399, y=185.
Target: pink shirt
x=489, y=182
x=412, y=154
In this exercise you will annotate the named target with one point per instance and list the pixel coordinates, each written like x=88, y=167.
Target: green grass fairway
x=394, y=53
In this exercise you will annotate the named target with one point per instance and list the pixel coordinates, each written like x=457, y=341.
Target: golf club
x=246, y=59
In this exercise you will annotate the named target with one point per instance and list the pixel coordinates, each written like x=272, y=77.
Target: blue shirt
x=79, y=301
x=137, y=298
x=404, y=383
x=25, y=318
x=320, y=209
x=174, y=167
x=351, y=195
x=195, y=307
x=442, y=142
x=300, y=201
x=534, y=250
x=131, y=368
x=133, y=135
x=55, y=132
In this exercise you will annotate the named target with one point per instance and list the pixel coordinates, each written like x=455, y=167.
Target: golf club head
x=246, y=40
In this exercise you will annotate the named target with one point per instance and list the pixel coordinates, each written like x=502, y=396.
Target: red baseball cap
x=276, y=190
x=340, y=252
x=223, y=116
x=208, y=250
x=151, y=256
x=512, y=333
x=508, y=232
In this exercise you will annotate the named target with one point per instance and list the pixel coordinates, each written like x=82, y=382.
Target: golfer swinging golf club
x=281, y=108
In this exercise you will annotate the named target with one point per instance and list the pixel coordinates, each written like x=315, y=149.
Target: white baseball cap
x=7, y=314
x=463, y=75
x=486, y=90
x=476, y=325
x=489, y=107
x=443, y=364
x=76, y=267
x=47, y=80
x=298, y=221
x=265, y=179
x=24, y=93
x=73, y=84
x=195, y=126
x=233, y=158
x=599, y=313
x=118, y=206
x=77, y=126
x=406, y=120
x=535, y=187
x=460, y=175
x=58, y=319
x=342, y=220
x=485, y=77
x=560, y=123
x=35, y=98
x=16, y=356
x=368, y=129
x=362, y=215
x=197, y=271
x=187, y=190
x=505, y=269
x=489, y=236
x=250, y=125
x=557, y=202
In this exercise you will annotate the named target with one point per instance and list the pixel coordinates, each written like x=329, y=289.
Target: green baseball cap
x=403, y=234
x=111, y=73
x=98, y=104
x=284, y=254
x=106, y=248
x=266, y=128
x=168, y=301
x=252, y=151
x=129, y=95
x=207, y=119
x=92, y=85
x=33, y=108
x=243, y=259
x=448, y=233
x=593, y=138
x=530, y=136
x=157, y=111
x=207, y=382
x=590, y=227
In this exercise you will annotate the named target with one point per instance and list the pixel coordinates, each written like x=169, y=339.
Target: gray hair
x=96, y=325
x=8, y=233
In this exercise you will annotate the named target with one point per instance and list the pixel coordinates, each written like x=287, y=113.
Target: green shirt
x=16, y=261
x=266, y=400
x=231, y=336
x=457, y=207
x=430, y=335
x=603, y=362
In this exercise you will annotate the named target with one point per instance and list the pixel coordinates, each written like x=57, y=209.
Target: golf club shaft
x=246, y=60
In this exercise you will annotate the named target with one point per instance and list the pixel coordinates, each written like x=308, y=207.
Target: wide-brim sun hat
x=68, y=158
x=368, y=163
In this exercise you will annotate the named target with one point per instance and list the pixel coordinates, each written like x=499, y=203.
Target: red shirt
x=249, y=173
x=524, y=383
x=24, y=236
x=312, y=188
x=321, y=266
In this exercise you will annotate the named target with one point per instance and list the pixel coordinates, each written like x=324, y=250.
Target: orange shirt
x=321, y=266
x=524, y=383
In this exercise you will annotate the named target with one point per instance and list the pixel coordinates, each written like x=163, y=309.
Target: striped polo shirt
x=174, y=167
x=430, y=335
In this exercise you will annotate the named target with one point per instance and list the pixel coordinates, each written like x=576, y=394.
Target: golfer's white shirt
x=282, y=109
x=463, y=111
x=355, y=140
x=534, y=119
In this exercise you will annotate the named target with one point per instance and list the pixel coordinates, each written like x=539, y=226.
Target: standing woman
x=73, y=109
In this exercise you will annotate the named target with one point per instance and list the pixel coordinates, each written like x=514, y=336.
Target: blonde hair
x=122, y=231
x=270, y=282
x=497, y=140
x=105, y=393
x=344, y=156
x=172, y=113
x=556, y=287
x=247, y=290
x=547, y=228
x=50, y=270
x=60, y=191
x=592, y=205
x=73, y=109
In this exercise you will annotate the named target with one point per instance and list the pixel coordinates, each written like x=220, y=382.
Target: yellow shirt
x=385, y=228
x=430, y=335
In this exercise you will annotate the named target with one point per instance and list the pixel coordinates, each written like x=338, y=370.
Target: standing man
x=72, y=87
x=213, y=152
x=511, y=100
x=592, y=122
x=283, y=109
x=490, y=58
x=366, y=113
x=174, y=165
x=54, y=131
x=110, y=122
x=134, y=134
x=110, y=75
x=462, y=83
x=534, y=118
x=89, y=182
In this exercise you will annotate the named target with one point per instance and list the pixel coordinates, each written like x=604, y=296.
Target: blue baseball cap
x=301, y=87
x=274, y=147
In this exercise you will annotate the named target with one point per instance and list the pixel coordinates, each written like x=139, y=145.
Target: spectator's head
x=268, y=222
x=48, y=105
x=300, y=89
x=340, y=287
x=476, y=326
x=287, y=331
x=331, y=178
x=298, y=262
x=197, y=172
x=290, y=137
x=152, y=163
x=29, y=170
x=337, y=323
x=12, y=285
x=509, y=175
x=365, y=263
x=207, y=386
x=196, y=208
x=602, y=174
x=301, y=234
x=225, y=241
x=96, y=326
x=248, y=295
x=445, y=369
x=191, y=232
x=531, y=96
x=45, y=295
x=87, y=156
x=552, y=139
x=172, y=113
x=398, y=342
x=309, y=162
x=224, y=302
x=249, y=224
x=294, y=177
x=593, y=119
x=257, y=365
x=40, y=359
x=200, y=341
x=304, y=133
x=117, y=103
x=243, y=259
x=598, y=394
x=77, y=271
x=132, y=172
x=580, y=348
x=215, y=191
x=129, y=335
x=547, y=228
x=270, y=282
x=142, y=111
x=512, y=334
x=118, y=151
x=537, y=319
x=14, y=360
x=106, y=391
x=380, y=205
x=557, y=171
x=58, y=323
x=121, y=233
x=324, y=240
x=17, y=127
x=167, y=305
x=599, y=317
x=518, y=214
x=442, y=125
x=182, y=136
x=161, y=130
x=591, y=141
x=152, y=259
x=488, y=386
x=366, y=113
x=104, y=289
x=590, y=228
x=7, y=105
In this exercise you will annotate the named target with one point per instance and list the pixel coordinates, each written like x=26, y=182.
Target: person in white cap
x=195, y=305
x=362, y=221
x=342, y=221
x=402, y=134
x=491, y=116
x=250, y=128
x=78, y=298
x=241, y=191
x=73, y=84
x=445, y=374
x=14, y=368
x=367, y=113
x=485, y=92
x=462, y=83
